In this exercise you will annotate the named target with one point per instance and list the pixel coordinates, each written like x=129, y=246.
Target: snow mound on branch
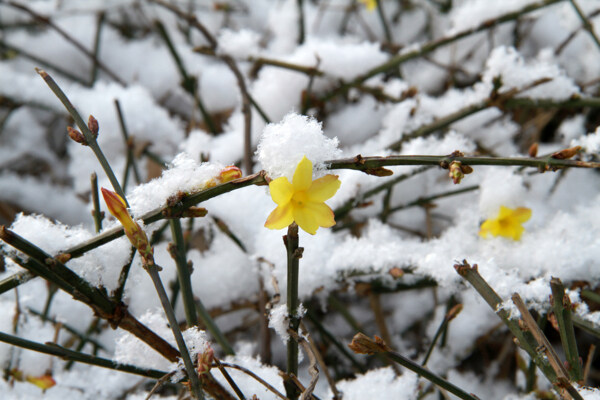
x=283, y=145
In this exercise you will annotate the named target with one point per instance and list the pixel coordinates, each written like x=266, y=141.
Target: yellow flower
x=136, y=235
x=303, y=200
x=370, y=4
x=44, y=382
x=507, y=223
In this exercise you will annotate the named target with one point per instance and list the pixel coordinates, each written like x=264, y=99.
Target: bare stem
x=89, y=137
x=587, y=25
x=47, y=21
x=431, y=46
x=97, y=214
x=130, y=164
x=562, y=312
x=188, y=83
x=55, y=350
x=177, y=250
x=294, y=253
x=152, y=270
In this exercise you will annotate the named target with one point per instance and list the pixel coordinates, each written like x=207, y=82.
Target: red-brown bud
x=566, y=153
x=93, y=126
x=533, y=149
x=76, y=136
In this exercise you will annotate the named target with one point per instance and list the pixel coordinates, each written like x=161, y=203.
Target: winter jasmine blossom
x=44, y=382
x=303, y=200
x=507, y=223
x=370, y=4
x=118, y=208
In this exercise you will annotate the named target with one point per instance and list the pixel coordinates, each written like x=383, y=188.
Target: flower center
x=300, y=198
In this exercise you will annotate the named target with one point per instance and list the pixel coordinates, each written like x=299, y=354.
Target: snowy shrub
x=435, y=164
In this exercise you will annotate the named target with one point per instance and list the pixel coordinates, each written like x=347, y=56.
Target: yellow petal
x=323, y=213
x=281, y=190
x=314, y=215
x=514, y=231
x=43, y=382
x=280, y=217
x=489, y=227
x=323, y=188
x=522, y=214
x=117, y=207
x=305, y=219
x=303, y=175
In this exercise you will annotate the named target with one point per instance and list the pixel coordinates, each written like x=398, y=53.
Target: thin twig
x=213, y=328
x=255, y=377
x=562, y=312
x=129, y=145
x=96, y=212
x=319, y=358
x=313, y=370
x=177, y=251
x=432, y=45
x=189, y=83
x=562, y=377
x=46, y=64
x=47, y=21
x=15, y=280
x=152, y=270
x=334, y=340
x=524, y=338
x=587, y=25
x=362, y=344
x=89, y=137
x=51, y=269
x=229, y=380
x=67, y=354
x=301, y=25
x=384, y=23
x=247, y=100
x=99, y=25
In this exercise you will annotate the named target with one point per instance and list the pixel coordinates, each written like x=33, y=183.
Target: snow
x=45, y=183
x=380, y=384
x=283, y=145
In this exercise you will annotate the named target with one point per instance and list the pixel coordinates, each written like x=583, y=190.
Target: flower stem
x=430, y=376
x=152, y=270
x=188, y=83
x=130, y=164
x=67, y=354
x=183, y=272
x=371, y=165
x=562, y=312
x=294, y=253
x=524, y=338
x=98, y=215
x=89, y=137
x=587, y=25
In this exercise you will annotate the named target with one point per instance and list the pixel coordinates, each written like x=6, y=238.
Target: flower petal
x=489, y=227
x=312, y=215
x=280, y=217
x=514, y=231
x=305, y=219
x=281, y=190
x=117, y=207
x=323, y=214
x=303, y=175
x=323, y=188
x=522, y=214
